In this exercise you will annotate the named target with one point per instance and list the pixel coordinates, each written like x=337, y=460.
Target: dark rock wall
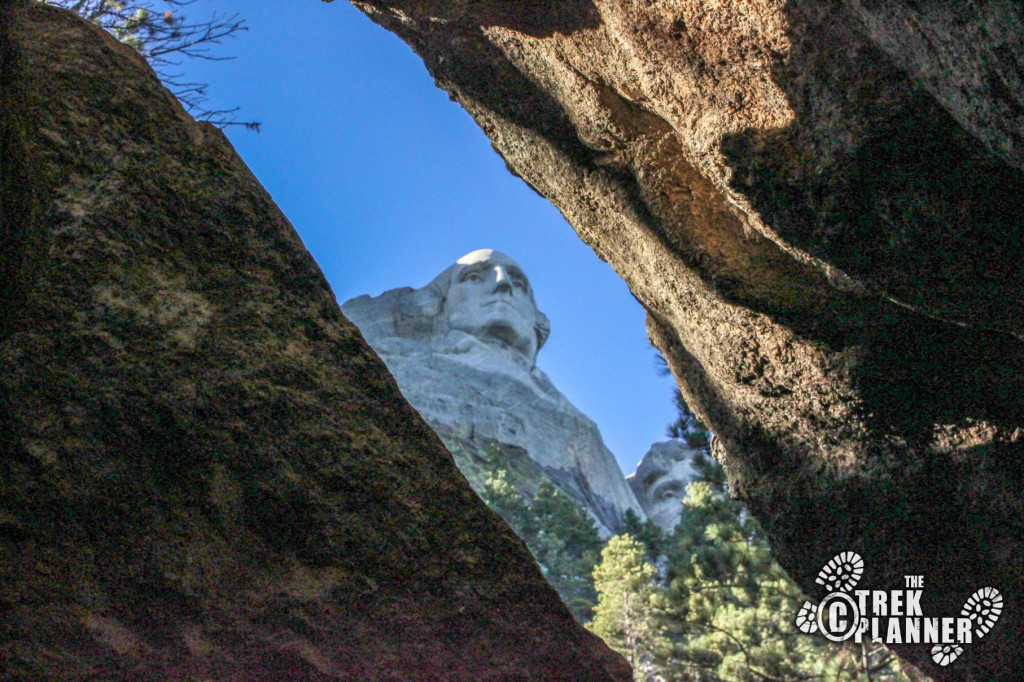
x=819, y=206
x=205, y=471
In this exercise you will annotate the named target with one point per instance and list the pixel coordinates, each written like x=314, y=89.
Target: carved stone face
x=490, y=297
x=665, y=496
x=660, y=483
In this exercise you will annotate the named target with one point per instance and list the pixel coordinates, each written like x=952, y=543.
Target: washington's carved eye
x=669, y=491
x=472, y=277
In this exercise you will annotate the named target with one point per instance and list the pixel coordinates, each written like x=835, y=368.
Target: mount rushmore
x=464, y=352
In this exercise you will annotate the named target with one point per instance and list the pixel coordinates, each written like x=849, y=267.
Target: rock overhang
x=816, y=204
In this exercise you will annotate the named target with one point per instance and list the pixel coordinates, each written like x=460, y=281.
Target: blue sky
x=388, y=182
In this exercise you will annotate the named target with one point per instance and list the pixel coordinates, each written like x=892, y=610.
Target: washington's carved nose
x=502, y=282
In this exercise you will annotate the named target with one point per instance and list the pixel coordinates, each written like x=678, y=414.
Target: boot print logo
x=893, y=616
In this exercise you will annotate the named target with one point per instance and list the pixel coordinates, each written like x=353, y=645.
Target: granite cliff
x=205, y=471
x=818, y=204
x=455, y=359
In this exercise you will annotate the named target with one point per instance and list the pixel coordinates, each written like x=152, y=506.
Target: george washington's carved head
x=486, y=294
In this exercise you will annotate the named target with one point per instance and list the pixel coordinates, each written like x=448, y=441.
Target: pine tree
x=728, y=610
x=503, y=497
x=567, y=548
x=686, y=426
x=561, y=536
x=647, y=533
x=733, y=605
x=624, y=616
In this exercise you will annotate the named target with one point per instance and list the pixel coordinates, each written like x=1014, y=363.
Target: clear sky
x=388, y=182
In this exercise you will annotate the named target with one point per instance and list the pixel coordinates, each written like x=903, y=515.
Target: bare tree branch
x=160, y=34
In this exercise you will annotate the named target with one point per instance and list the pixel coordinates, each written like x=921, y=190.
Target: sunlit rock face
x=660, y=481
x=463, y=349
x=819, y=205
x=205, y=472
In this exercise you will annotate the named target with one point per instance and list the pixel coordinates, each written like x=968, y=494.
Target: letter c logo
x=842, y=605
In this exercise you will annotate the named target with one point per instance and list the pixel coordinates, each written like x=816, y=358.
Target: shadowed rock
x=819, y=206
x=205, y=471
